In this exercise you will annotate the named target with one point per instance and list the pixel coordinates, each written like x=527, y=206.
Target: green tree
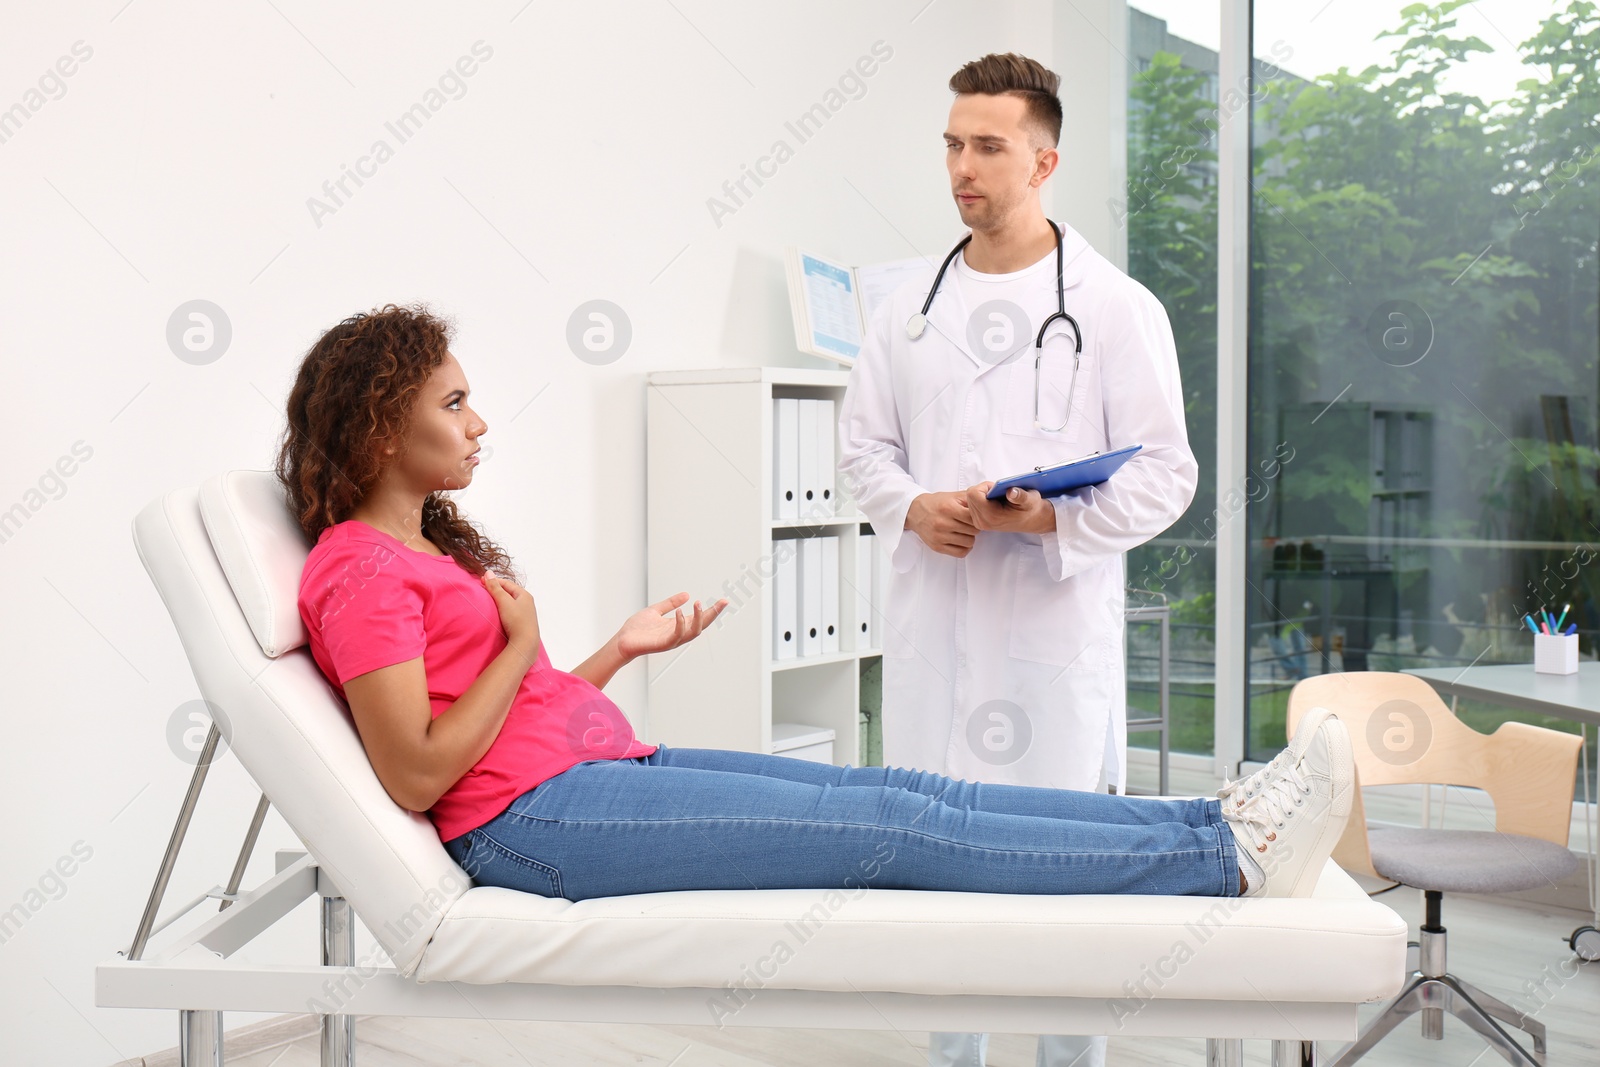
x=1380, y=185
x=1171, y=216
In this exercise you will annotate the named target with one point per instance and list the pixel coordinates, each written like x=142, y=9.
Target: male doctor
x=1002, y=646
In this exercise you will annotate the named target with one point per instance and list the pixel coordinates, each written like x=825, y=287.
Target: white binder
x=785, y=599
x=810, y=479
x=786, y=457
x=866, y=626
x=826, y=427
x=830, y=594
x=810, y=596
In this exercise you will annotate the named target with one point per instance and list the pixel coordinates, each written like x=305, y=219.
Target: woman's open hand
x=661, y=626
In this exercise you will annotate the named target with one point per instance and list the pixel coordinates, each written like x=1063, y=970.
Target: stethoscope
x=918, y=323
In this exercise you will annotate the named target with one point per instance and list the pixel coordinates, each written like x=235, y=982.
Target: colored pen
x=1572, y=628
x=1529, y=620
x=1563, y=618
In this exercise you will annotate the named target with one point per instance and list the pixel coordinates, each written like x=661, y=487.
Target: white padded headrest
x=262, y=551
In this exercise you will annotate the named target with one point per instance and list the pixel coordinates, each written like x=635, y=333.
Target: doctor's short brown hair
x=1009, y=74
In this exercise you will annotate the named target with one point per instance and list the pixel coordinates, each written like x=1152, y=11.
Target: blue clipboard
x=1092, y=469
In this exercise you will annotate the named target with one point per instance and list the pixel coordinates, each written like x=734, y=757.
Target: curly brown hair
x=354, y=393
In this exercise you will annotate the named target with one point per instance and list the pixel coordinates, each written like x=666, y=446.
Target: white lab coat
x=1007, y=665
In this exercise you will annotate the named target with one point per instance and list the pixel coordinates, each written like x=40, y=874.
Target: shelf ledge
x=813, y=661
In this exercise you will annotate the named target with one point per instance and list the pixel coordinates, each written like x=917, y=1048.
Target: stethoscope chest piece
x=915, y=325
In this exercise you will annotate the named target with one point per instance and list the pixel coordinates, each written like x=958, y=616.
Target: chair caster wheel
x=1585, y=941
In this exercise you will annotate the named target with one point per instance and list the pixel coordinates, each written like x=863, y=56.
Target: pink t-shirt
x=370, y=601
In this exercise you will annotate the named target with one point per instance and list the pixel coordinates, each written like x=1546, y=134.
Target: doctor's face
x=994, y=163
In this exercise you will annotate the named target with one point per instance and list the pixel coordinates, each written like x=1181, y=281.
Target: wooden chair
x=1402, y=733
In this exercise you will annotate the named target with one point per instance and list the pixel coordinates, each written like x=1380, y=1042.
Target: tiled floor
x=1512, y=949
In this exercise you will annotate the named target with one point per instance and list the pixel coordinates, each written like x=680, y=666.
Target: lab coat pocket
x=1046, y=623
x=1055, y=379
x=899, y=611
x=899, y=642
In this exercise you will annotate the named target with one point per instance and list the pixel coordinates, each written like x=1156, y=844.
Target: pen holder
x=1555, y=653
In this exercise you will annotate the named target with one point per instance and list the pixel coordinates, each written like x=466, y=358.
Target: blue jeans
x=698, y=818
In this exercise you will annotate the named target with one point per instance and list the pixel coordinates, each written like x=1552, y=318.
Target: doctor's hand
x=661, y=626
x=943, y=521
x=1020, y=511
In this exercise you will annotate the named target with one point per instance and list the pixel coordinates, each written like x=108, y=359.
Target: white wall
x=1090, y=43
x=176, y=162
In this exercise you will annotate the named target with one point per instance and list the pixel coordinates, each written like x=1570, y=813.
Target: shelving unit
x=1388, y=446
x=709, y=528
x=1359, y=569
x=1401, y=459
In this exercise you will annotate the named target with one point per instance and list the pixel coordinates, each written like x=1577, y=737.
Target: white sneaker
x=1235, y=794
x=1293, y=817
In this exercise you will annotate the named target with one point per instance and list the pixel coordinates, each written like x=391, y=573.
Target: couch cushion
x=1336, y=946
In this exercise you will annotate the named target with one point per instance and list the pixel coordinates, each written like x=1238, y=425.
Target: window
x=1424, y=359
x=1171, y=217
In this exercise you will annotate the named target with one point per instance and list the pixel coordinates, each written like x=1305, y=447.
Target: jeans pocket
x=458, y=847
x=494, y=863
x=469, y=854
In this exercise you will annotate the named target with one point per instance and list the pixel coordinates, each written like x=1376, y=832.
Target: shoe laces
x=1261, y=814
x=1235, y=794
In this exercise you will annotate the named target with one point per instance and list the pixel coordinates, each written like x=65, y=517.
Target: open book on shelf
x=833, y=302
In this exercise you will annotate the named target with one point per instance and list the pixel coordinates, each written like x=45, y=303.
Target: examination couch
x=226, y=558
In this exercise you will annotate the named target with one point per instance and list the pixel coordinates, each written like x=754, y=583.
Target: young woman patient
x=533, y=777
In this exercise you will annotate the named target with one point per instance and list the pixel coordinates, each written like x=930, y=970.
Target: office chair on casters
x=1401, y=732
